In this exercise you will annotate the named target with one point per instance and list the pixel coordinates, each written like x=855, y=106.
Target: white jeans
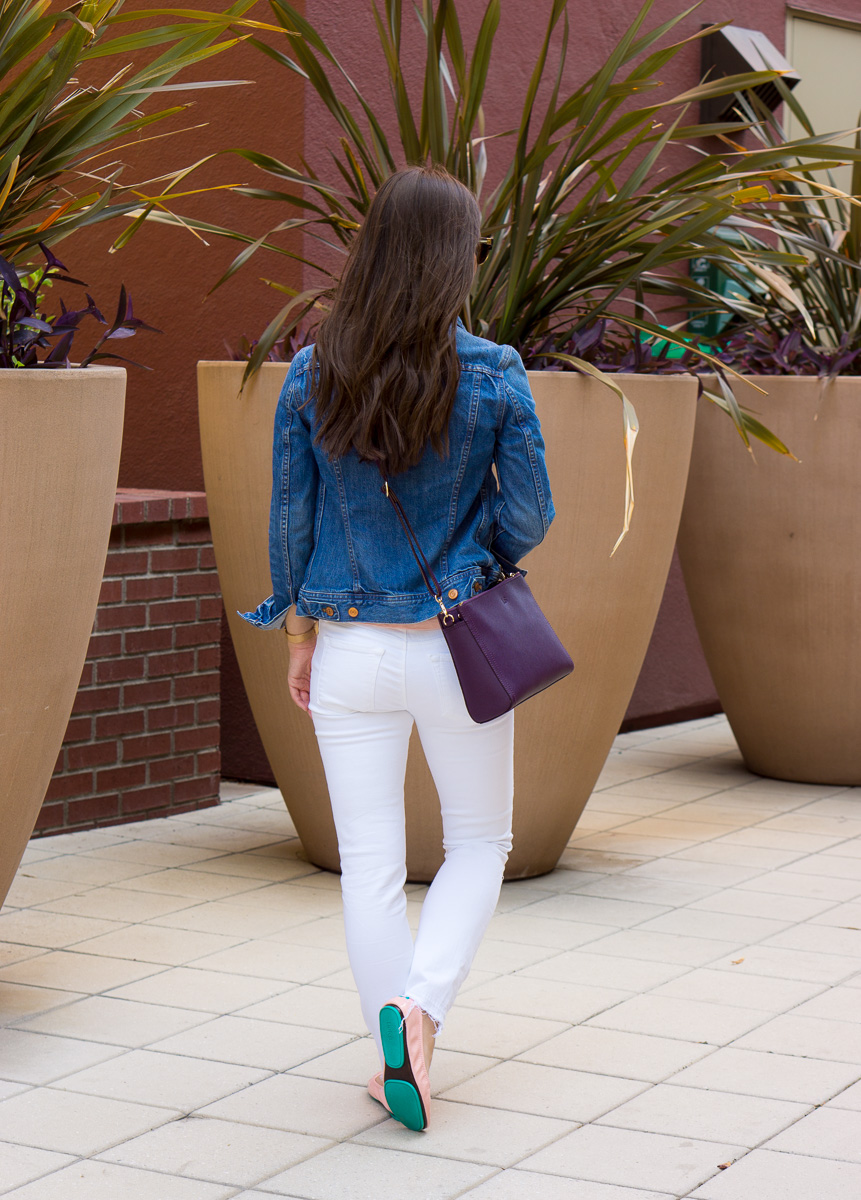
x=369, y=684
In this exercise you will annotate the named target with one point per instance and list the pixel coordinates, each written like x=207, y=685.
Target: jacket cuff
x=267, y=615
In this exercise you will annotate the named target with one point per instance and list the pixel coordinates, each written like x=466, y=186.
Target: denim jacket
x=336, y=547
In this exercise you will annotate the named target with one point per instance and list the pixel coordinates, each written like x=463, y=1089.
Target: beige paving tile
x=471, y=1133
x=640, y=844
x=13, y=952
x=494, y=1034
x=153, y=854
x=316, y=1007
x=773, y=906
x=849, y=1098
x=275, y=960
x=661, y=947
x=743, y=990
x=516, y=895
x=778, y=839
x=75, y=1124
x=767, y=1175
x=326, y=933
x=36, y=1058
x=616, y=1052
x=301, y=1104
x=777, y=1076
x=787, y=964
x=789, y=882
x=357, y=1061
x=544, y=1091
x=18, y=1002
x=811, y=1037
x=662, y=892
x=20, y=1164
x=636, y=806
x=80, y=868
x=294, y=900
x=219, y=1151
x=686, y=870
x=587, y=862
x=596, y=910
x=726, y=927
x=101, y=1181
x=548, y=998
x=630, y=1158
x=122, y=905
x=27, y=890
x=199, y=885
x=502, y=957
x=671, y=825
x=825, y=1133
x=530, y=930
x=353, y=1172
x=600, y=970
x=51, y=930
x=206, y=991
x=168, y=1080
x=219, y=837
x=256, y=866
x=515, y=1184
x=225, y=918
x=74, y=971
x=247, y=1042
x=821, y=939
x=743, y=1120
x=721, y=851
x=833, y=866
x=837, y=1004
x=155, y=944
x=846, y=916
x=10, y=1089
x=693, y=1020
x=117, y=1022
x=841, y=827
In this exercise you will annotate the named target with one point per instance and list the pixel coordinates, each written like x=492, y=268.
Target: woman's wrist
x=296, y=638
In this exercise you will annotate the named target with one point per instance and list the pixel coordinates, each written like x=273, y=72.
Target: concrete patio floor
x=675, y=1011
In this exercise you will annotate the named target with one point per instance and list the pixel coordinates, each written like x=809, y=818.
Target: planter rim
x=62, y=371
x=686, y=376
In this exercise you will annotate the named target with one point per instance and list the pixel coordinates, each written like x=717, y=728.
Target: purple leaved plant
x=766, y=351
x=30, y=338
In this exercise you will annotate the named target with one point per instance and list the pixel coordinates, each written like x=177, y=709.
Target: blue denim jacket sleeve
x=295, y=480
x=525, y=507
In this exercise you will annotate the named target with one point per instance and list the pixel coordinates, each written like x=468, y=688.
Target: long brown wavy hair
x=386, y=354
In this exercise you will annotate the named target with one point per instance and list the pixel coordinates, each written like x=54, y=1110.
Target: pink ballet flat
x=375, y=1090
x=405, y=1079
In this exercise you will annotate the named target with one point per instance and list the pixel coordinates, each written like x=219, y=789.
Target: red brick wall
x=143, y=738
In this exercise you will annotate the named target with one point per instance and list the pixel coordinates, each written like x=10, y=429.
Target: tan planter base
x=772, y=559
x=60, y=437
x=602, y=608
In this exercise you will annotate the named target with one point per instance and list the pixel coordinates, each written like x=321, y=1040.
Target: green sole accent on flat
x=391, y=1036
x=405, y=1104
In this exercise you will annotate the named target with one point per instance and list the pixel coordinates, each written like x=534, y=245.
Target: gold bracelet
x=296, y=639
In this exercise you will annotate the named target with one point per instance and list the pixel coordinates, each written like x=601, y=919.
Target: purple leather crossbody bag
x=503, y=647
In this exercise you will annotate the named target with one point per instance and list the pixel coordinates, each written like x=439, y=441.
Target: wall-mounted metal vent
x=735, y=51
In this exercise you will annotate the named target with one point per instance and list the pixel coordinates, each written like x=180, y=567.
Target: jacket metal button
x=476, y=587
x=329, y=611
x=354, y=612
x=452, y=593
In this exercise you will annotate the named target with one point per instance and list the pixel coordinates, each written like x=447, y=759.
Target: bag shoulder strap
x=430, y=580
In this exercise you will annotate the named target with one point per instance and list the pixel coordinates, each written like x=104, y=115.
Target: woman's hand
x=299, y=673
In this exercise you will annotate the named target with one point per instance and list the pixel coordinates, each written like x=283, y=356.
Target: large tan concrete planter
x=602, y=608
x=771, y=554
x=60, y=438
